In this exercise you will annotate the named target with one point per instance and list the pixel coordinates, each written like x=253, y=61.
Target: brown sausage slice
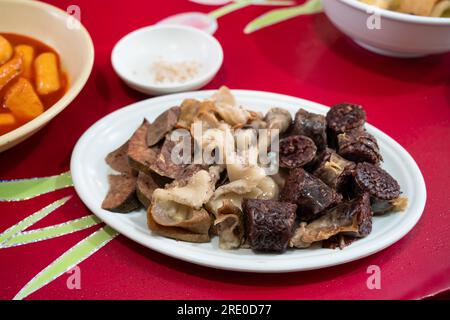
x=118, y=160
x=121, y=196
x=162, y=125
x=144, y=188
x=140, y=156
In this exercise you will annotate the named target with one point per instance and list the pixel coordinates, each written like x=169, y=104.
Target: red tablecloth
x=305, y=57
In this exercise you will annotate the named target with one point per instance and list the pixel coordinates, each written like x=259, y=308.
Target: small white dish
x=400, y=35
x=90, y=177
x=135, y=54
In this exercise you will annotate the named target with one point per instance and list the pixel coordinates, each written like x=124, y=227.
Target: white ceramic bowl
x=49, y=25
x=133, y=56
x=401, y=35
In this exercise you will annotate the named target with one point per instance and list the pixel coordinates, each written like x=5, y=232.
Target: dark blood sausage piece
x=269, y=224
x=121, y=196
x=162, y=125
x=359, y=146
x=296, y=151
x=310, y=194
x=321, y=156
x=118, y=160
x=311, y=125
x=359, y=212
x=344, y=117
x=140, y=156
x=336, y=172
x=376, y=181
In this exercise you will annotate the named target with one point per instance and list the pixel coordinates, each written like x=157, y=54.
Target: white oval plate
x=89, y=173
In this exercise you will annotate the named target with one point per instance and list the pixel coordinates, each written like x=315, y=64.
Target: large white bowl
x=51, y=26
x=401, y=35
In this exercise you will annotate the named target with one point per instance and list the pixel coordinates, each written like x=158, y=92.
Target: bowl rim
x=394, y=15
x=171, y=86
x=73, y=91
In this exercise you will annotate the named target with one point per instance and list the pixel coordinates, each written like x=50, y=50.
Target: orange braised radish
x=6, y=50
x=47, y=73
x=10, y=70
x=27, y=54
x=22, y=101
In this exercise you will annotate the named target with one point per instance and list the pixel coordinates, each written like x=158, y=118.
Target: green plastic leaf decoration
x=72, y=257
x=58, y=230
x=32, y=219
x=239, y=4
x=280, y=15
x=229, y=8
x=24, y=189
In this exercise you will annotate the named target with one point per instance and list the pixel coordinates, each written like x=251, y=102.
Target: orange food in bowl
x=31, y=80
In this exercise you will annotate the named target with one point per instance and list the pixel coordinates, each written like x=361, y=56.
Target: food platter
x=89, y=172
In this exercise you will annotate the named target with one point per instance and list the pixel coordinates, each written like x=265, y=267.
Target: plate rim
x=342, y=256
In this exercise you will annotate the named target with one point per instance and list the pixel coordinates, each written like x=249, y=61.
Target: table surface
x=305, y=57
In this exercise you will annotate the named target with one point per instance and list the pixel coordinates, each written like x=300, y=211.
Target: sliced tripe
x=180, y=205
x=175, y=232
x=229, y=226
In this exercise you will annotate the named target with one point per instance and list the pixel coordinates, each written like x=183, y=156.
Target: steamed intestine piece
x=207, y=115
x=235, y=116
x=279, y=119
x=224, y=96
x=226, y=203
x=353, y=218
x=229, y=225
x=218, y=141
x=194, y=194
x=188, y=111
x=226, y=107
x=181, y=206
